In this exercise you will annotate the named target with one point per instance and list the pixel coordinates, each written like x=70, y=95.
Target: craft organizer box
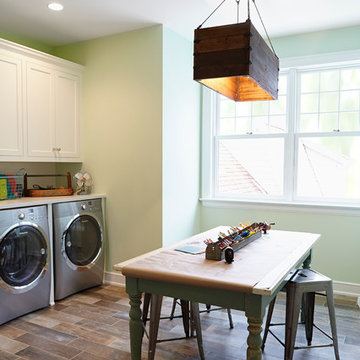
x=235, y=240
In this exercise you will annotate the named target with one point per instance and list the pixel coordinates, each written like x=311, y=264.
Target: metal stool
x=185, y=315
x=301, y=288
x=208, y=309
x=188, y=315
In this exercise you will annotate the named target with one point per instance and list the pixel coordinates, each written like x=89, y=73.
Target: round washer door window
x=83, y=240
x=23, y=256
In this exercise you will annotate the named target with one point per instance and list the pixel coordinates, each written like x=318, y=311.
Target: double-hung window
x=302, y=148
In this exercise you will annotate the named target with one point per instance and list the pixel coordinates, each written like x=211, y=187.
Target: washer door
x=23, y=258
x=82, y=241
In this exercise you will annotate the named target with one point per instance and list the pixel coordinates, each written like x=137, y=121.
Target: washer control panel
x=34, y=214
x=90, y=206
x=21, y=216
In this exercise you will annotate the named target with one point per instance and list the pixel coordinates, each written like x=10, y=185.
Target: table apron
x=228, y=299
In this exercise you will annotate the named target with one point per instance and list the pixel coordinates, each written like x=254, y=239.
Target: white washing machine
x=24, y=261
x=78, y=246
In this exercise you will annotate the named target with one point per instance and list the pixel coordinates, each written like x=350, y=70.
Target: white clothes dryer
x=24, y=261
x=78, y=246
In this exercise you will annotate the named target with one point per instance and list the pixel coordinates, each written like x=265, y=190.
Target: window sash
x=294, y=70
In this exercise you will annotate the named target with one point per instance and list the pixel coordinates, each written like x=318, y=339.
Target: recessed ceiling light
x=55, y=6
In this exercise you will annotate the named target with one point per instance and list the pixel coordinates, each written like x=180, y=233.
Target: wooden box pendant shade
x=235, y=61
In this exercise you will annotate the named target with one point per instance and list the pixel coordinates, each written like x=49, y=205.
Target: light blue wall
x=337, y=252
x=181, y=140
x=319, y=42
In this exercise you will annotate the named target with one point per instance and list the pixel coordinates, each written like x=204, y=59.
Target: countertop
x=33, y=201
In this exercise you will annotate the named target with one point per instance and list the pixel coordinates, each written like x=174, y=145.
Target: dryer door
x=82, y=241
x=23, y=258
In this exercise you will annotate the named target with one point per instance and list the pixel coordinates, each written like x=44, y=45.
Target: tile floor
x=93, y=325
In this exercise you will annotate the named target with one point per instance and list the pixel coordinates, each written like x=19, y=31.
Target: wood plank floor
x=93, y=325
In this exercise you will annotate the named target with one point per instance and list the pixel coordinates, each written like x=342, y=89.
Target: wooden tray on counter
x=61, y=191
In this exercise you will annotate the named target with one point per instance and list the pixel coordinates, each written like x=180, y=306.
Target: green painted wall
x=122, y=135
x=336, y=254
x=31, y=43
x=181, y=140
x=141, y=132
x=130, y=99
x=319, y=42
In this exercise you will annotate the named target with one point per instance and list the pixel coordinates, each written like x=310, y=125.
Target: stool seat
x=300, y=291
x=308, y=277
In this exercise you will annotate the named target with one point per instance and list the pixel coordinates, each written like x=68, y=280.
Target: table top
x=258, y=268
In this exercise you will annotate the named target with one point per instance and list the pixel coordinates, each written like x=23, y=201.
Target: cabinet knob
x=56, y=149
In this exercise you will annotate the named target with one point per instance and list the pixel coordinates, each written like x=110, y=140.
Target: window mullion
x=289, y=163
x=338, y=114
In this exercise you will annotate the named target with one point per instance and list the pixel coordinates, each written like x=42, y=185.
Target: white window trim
x=313, y=62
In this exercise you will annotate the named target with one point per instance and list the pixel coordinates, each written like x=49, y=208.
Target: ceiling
x=88, y=19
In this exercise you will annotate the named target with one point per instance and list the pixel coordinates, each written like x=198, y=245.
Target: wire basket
x=11, y=186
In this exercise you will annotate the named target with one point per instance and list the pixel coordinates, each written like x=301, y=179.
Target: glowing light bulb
x=56, y=6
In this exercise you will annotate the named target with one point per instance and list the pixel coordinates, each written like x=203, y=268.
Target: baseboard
x=112, y=278
x=344, y=293
x=346, y=289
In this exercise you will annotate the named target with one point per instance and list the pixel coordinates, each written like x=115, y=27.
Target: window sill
x=331, y=209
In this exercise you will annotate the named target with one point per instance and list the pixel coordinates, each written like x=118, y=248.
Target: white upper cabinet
x=11, y=126
x=39, y=111
x=67, y=114
x=40, y=106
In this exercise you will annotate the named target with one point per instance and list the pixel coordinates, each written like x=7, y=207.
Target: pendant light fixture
x=235, y=61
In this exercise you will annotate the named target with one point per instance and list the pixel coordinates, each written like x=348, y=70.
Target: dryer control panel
x=90, y=206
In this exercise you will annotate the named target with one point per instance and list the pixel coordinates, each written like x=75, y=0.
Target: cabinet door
x=67, y=105
x=40, y=111
x=11, y=130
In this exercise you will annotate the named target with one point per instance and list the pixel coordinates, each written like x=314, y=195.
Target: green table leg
x=135, y=325
x=254, y=338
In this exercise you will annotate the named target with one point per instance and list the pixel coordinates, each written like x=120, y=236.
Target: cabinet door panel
x=67, y=114
x=40, y=111
x=10, y=107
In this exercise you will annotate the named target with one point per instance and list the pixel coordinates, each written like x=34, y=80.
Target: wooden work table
x=248, y=284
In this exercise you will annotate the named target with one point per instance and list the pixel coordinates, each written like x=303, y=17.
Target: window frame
x=292, y=67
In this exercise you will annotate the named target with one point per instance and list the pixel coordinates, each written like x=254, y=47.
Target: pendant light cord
x=238, y=3
x=210, y=15
x=267, y=35
x=238, y=10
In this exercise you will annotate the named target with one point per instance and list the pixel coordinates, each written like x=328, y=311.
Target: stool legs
x=146, y=305
x=309, y=305
x=231, y=324
x=156, y=301
x=155, y=310
x=293, y=304
x=173, y=309
x=268, y=321
x=292, y=317
x=331, y=308
x=185, y=316
x=195, y=319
